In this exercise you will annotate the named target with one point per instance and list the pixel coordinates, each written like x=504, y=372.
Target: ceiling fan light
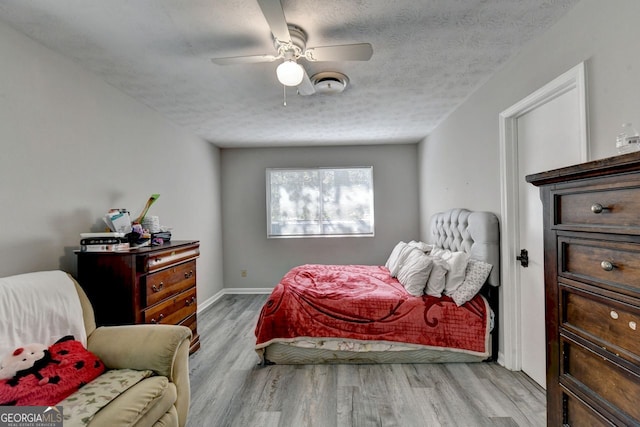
x=290, y=73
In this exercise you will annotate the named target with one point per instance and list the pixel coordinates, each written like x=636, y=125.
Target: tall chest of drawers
x=154, y=285
x=592, y=284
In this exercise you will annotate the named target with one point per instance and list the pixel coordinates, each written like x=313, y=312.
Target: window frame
x=271, y=235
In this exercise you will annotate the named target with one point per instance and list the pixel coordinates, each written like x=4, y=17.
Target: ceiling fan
x=290, y=42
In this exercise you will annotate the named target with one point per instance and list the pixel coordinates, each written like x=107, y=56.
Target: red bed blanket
x=362, y=302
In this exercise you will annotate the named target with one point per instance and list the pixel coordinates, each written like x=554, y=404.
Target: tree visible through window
x=320, y=202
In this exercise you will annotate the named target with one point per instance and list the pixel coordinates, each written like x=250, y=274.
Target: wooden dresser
x=147, y=285
x=592, y=285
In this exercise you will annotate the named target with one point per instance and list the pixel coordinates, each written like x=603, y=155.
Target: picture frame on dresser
x=592, y=291
x=154, y=285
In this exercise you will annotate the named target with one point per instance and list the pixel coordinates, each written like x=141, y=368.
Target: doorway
x=546, y=130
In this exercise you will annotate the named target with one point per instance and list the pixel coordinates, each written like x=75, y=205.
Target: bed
x=376, y=314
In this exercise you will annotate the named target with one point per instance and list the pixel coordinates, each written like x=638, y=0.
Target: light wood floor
x=228, y=388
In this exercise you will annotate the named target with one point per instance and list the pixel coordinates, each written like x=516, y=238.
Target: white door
x=548, y=137
x=546, y=130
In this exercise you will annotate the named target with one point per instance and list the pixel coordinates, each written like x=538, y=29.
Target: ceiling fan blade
x=252, y=59
x=306, y=88
x=345, y=52
x=274, y=14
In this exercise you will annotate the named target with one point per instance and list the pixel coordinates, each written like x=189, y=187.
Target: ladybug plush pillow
x=35, y=375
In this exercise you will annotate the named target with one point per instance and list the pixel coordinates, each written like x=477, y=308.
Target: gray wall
x=245, y=244
x=73, y=147
x=462, y=154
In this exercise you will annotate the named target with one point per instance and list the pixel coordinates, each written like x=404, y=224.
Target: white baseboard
x=232, y=291
x=247, y=291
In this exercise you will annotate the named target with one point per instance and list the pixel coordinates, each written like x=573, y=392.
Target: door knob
x=523, y=258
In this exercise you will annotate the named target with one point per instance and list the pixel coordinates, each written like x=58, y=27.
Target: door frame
x=575, y=78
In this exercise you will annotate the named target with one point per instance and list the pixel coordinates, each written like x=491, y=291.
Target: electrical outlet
x=243, y=273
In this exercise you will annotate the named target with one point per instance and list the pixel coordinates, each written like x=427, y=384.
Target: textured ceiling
x=428, y=57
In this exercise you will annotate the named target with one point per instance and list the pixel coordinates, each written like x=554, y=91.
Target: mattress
x=360, y=314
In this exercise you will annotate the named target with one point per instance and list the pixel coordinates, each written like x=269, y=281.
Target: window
x=320, y=202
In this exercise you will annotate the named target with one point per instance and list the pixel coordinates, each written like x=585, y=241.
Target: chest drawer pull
x=188, y=274
x=633, y=325
x=607, y=265
x=613, y=314
x=157, y=288
x=190, y=301
x=153, y=320
x=597, y=208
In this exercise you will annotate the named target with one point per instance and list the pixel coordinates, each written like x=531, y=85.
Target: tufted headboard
x=477, y=233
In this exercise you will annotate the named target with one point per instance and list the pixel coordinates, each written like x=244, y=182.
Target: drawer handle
x=190, y=301
x=614, y=314
x=158, y=288
x=189, y=274
x=154, y=321
x=633, y=325
x=607, y=266
x=597, y=208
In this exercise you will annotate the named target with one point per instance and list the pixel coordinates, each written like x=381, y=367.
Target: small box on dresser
x=591, y=217
x=147, y=285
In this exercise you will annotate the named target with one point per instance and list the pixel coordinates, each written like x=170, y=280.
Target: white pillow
x=404, y=253
x=424, y=247
x=457, y=262
x=392, y=261
x=438, y=251
x=435, y=284
x=476, y=274
x=414, y=272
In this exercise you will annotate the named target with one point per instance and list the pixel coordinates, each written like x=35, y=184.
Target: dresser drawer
x=612, y=265
x=613, y=325
x=578, y=414
x=191, y=322
x=173, y=310
x=613, y=206
x=604, y=380
x=162, y=259
x=169, y=281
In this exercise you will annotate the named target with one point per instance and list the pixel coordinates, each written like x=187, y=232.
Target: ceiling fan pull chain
x=284, y=93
